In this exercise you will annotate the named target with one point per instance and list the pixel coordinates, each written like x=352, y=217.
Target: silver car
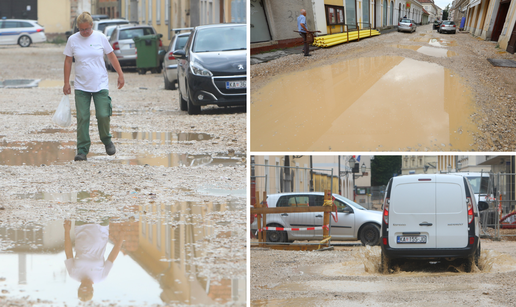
x=170, y=62
x=123, y=44
x=353, y=222
x=407, y=25
x=448, y=26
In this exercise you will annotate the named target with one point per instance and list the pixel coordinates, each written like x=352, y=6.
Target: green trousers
x=103, y=111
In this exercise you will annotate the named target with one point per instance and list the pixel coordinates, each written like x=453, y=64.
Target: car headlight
x=198, y=70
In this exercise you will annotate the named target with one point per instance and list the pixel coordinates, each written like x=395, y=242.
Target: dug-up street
x=420, y=91
x=349, y=276
x=174, y=193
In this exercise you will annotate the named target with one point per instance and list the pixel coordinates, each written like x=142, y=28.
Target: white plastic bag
x=63, y=115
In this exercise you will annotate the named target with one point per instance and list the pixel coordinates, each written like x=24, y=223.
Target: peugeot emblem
x=240, y=66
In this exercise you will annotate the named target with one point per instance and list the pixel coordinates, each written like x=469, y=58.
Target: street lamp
x=459, y=165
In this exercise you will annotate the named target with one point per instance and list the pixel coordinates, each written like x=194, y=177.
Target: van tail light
x=386, y=210
x=471, y=240
x=116, y=46
x=171, y=56
x=385, y=242
x=469, y=201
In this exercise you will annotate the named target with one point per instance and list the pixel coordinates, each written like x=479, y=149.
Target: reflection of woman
x=88, y=266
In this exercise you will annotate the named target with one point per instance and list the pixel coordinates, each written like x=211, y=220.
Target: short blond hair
x=84, y=17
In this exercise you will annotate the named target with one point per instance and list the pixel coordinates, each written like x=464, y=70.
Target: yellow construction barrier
x=335, y=39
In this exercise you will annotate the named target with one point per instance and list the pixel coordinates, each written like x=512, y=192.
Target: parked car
x=212, y=68
x=479, y=183
x=21, y=31
x=448, y=26
x=432, y=218
x=170, y=62
x=123, y=44
x=407, y=25
x=109, y=30
x=436, y=25
x=100, y=25
x=354, y=222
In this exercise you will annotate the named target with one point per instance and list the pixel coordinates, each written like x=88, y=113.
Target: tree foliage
x=383, y=168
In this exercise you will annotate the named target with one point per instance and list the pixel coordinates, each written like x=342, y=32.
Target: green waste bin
x=147, y=50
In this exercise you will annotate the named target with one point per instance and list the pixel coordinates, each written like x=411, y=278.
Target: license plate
x=411, y=239
x=131, y=45
x=235, y=84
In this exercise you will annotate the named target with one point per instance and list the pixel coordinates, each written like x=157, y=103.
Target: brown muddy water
x=57, y=153
x=436, y=42
x=386, y=103
x=162, y=260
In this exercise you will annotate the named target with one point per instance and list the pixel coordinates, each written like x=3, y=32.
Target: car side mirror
x=482, y=205
x=346, y=210
x=180, y=54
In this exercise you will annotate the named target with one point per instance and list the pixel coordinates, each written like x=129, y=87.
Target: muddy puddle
x=431, y=51
x=373, y=104
x=176, y=258
x=163, y=137
x=366, y=262
x=436, y=42
x=81, y=196
x=58, y=153
x=291, y=302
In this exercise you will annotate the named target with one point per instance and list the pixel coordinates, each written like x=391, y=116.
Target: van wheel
x=477, y=255
x=370, y=235
x=468, y=264
x=275, y=235
x=385, y=264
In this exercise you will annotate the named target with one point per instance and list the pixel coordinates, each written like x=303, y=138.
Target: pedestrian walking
x=91, y=81
x=301, y=28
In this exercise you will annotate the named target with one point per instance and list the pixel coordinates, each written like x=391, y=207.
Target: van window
x=478, y=184
x=293, y=201
x=413, y=198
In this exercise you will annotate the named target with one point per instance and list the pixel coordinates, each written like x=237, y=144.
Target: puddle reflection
x=383, y=103
x=431, y=51
x=175, y=258
x=163, y=137
x=58, y=153
x=436, y=42
x=82, y=196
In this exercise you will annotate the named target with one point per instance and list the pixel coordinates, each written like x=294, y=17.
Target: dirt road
x=349, y=277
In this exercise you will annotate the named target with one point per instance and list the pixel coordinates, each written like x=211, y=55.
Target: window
x=334, y=15
x=150, y=11
x=167, y=11
x=293, y=201
x=221, y=39
x=158, y=12
x=342, y=206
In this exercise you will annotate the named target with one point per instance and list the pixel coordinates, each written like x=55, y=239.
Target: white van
x=430, y=217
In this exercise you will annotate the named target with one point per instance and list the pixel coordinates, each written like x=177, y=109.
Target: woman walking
x=91, y=81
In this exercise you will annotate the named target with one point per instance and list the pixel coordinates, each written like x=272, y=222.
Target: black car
x=212, y=67
x=436, y=25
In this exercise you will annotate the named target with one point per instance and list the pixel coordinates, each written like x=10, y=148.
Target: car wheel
x=24, y=41
x=168, y=84
x=192, y=109
x=142, y=71
x=370, y=234
x=275, y=235
x=385, y=264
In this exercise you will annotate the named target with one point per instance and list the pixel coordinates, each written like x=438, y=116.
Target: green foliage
x=383, y=168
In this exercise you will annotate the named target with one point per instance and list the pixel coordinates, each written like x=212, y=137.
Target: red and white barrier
x=295, y=229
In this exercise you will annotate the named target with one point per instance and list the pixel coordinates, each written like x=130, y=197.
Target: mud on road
x=349, y=276
x=174, y=176
x=459, y=59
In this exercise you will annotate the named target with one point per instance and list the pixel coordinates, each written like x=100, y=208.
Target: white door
x=452, y=215
x=412, y=222
x=298, y=219
x=259, y=27
x=343, y=227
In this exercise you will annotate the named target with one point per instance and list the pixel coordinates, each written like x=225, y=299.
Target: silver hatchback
x=407, y=25
x=123, y=44
x=352, y=222
x=448, y=26
x=178, y=42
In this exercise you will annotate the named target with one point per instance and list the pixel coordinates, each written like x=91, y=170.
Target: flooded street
x=160, y=222
x=396, y=92
x=290, y=278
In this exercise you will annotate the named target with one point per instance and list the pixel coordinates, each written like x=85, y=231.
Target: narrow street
x=420, y=91
x=174, y=191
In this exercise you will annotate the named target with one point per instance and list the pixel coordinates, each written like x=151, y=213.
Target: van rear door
x=452, y=214
x=412, y=222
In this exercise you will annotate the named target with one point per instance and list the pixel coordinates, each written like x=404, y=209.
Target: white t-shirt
x=90, y=71
x=90, y=246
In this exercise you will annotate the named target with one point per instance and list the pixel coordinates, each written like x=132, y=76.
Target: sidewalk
x=272, y=55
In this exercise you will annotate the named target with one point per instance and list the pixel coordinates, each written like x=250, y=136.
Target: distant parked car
x=123, y=44
x=354, y=222
x=448, y=26
x=212, y=67
x=407, y=25
x=75, y=29
x=100, y=25
x=21, y=31
x=108, y=30
x=178, y=42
